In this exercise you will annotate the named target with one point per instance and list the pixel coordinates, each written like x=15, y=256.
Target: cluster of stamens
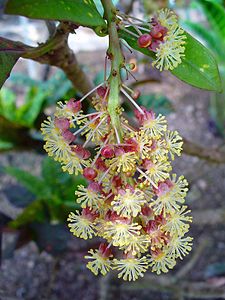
x=162, y=35
x=131, y=202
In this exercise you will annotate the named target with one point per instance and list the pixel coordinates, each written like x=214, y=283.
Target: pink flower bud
x=81, y=152
x=68, y=136
x=89, y=173
x=74, y=105
x=158, y=32
x=119, y=151
x=154, y=45
x=94, y=187
x=144, y=40
x=62, y=123
x=89, y=214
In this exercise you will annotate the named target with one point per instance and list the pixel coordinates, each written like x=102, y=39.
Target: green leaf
x=82, y=12
x=158, y=103
x=199, y=67
x=215, y=44
x=27, y=113
x=34, y=184
x=33, y=212
x=215, y=14
x=99, y=6
x=5, y=145
x=9, y=55
x=7, y=104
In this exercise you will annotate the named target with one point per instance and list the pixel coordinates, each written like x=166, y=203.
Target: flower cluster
x=132, y=202
x=164, y=37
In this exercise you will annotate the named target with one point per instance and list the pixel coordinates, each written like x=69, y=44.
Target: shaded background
x=40, y=259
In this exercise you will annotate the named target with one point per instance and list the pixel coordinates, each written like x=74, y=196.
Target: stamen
x=93, y=132
x=138, y=27
x=125, y=45
x=117, y=135
x=91, y=91
x=86, y=116
x=140, y=171
x=128, y=127
x=135, y=27
x=90, y=122
x=130, y=32
x=132, y=101
x=104, y=174
x=99, y=152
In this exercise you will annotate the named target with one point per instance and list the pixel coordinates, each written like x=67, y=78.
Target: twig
x=214, y=155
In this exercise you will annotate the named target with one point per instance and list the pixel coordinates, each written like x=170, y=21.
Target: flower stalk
x=117, y=62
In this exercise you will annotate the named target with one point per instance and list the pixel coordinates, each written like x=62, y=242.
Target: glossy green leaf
x=81, y=12
x=9, y=55
x=208, y=37
x=198, y=67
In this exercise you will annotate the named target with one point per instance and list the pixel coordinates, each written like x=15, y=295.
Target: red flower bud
x=107, y=151
x=144, y=40
x=89, y=173
x=105, y=250
x=102, y=91
x=100, y=164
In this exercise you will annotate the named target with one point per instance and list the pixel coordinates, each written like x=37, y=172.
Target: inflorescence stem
x=117, y=62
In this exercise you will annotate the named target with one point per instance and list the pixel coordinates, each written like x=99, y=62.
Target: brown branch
x=56, y=52
x=213, y=155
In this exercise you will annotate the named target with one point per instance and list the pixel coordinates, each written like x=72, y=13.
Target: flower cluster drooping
x=132, y=201
x=163, y=36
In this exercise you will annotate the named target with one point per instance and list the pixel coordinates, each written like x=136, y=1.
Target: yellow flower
x=170, y=195
x=125, y=162
x=177, y=221
x=154, y=126
x=89, y=196
x=128, y=203
x=180, y=246
x=81, y=226
x=131, y=268
x=156, y=172
x=166, y=17
x=73, y=164
x=99, y=263
x=173, y=143
x=58, y=148
x=119, y=233
x=170, y=52
x=136, y=245
x=161, y=262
